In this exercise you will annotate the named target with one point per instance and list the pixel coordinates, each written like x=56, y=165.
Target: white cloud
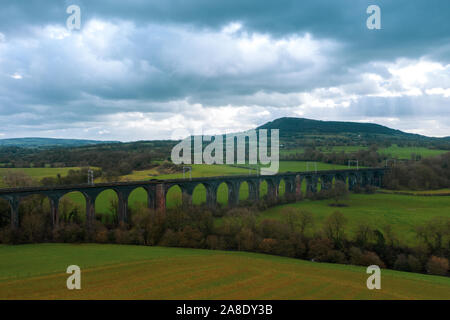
x=16, y=76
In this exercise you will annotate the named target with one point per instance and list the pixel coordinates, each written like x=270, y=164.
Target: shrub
x=170, y=239
x=69, y=233
x=437, y=266
x=414, y=264
x=401, y=263
x=33, y=226
x=367, y=258
x=267, y=245
x=212, y=242
x=319, y=248
x=246, y=239
x=191, y=238
x=9, y=235
x=122, y=236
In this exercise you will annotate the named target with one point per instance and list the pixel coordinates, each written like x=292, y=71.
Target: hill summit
x=308, y=126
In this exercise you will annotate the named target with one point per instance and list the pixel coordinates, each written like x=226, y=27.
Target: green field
x=139, y=272
x=204, y=170
x=402, y=212
x=406, y=152
x=445, y=191
x=394, y=150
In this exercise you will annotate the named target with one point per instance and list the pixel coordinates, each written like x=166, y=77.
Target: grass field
x=421, y=192
x=406, y=152
x=394, y=150
x=139, y=272
x=402, y=212
x=203, y=170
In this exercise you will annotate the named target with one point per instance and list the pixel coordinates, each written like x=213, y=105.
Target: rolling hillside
x=140, y=272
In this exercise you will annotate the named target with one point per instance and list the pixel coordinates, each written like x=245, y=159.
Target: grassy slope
x=394, y=151
x=402, y=212
x=138, y=272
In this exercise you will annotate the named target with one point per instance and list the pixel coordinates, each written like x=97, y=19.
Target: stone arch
x=35, y=203
x=222, y=194
x=174, y=196
x=138, y=197
x=233, y=192
x=244, y=191
x=311, y=183
x=326, y=181
x=281, y=187
x=377, y=178
x=263, y=188
x=106, y=206
x=353, y=181
x=199, y=194
x=269, y=188
x=72, y=206
x=253, y=189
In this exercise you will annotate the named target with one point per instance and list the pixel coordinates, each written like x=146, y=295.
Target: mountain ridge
x=36, y=142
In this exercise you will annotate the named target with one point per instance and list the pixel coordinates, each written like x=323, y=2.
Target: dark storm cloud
x=409, y=27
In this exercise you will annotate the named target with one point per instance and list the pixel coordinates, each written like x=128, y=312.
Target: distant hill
x=295, y=132
x=49, y=142
x=308, y=126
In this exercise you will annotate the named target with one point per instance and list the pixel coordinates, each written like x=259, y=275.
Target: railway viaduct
x=157, y=189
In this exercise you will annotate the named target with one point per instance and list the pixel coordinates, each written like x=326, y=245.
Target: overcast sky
x=139, y=70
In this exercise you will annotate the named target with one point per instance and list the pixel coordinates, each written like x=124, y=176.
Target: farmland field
x=394, y=150
x=406, y=152
x=139, y=272
x=401, y=212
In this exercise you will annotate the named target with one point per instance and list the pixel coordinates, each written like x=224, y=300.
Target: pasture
x=140, y=272
x=394, y=151
x=403, y=213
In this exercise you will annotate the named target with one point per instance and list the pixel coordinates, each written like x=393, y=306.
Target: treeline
x=426, y=174
x=293, y=235
x=115, y=159
x=368, y=158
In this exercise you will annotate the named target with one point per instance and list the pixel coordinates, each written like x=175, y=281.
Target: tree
x=364, y=234
x=334, y=227
x=339, y=191
x=433, y=233
x=15, y=179
x=306, y=220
